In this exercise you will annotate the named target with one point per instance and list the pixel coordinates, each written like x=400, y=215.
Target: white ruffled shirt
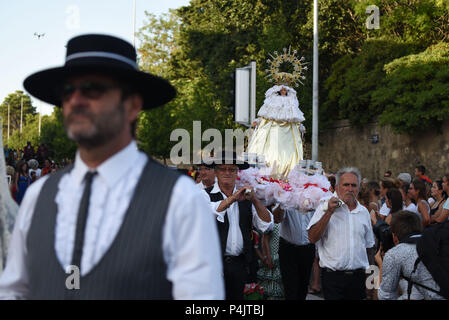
x=281, y=108
x=192, y=263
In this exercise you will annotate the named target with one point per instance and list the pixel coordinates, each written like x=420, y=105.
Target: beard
x=103, y=128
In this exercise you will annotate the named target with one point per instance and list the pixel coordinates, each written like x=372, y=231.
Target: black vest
x=245, y=223
x=132, y=268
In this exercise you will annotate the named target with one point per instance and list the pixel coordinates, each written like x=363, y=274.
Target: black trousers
x=236, y=274
x=296, y=265
x=341, y=285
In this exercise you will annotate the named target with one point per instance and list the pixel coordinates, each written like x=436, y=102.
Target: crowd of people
x=25, y=166
x=292, y=262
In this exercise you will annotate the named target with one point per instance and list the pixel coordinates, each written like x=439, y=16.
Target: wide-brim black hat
x=228, y=157
x=104, y=54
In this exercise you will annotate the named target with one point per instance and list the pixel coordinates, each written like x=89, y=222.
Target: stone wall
x=343, y=146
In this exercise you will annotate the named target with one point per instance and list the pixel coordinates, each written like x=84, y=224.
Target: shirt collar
x=111, y=170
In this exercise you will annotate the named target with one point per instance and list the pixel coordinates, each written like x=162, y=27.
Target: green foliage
x=55, y=138
x=18, y=103
x=416, y=91
x=52, y=134
x=354, y=79
x=423, y=22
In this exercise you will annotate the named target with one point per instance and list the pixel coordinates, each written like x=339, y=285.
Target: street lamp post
x=21, y=114
x=315, y=83
x=8, y=122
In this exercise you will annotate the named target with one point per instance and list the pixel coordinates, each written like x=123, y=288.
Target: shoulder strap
x=411, y=282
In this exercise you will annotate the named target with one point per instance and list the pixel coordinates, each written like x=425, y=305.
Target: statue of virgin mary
x=277, y=135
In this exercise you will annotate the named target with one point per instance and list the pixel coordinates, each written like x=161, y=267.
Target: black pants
x=296, y=264
x=235, y=271
x=340, y=285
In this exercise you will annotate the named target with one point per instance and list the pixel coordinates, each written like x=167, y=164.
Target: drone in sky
x=39, y=35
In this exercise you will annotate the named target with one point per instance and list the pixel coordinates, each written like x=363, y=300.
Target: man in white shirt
x=341, y=229
x=236, y=212
x=116, y=225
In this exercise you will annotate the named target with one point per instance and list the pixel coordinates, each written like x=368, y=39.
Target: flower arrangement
x=301, y=191
x=253, y=291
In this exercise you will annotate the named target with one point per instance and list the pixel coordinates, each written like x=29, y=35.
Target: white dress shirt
x=294, y=227
x=346, y=237
x=191, y=246
x=234, y=244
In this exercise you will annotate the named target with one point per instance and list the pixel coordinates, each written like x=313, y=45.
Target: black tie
x=82, y=218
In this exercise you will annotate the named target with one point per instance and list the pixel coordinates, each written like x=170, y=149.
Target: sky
x=22, y=53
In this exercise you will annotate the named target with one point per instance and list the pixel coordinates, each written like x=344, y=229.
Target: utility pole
x=21, y=113
x=315, y=83
x=8, y=122
x=40, y=110
x=134, y=25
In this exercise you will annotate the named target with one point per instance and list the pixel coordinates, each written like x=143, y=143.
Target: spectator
x=400, y=260
x=381, y=228
x=417, y=192
x=47, y=167
x=28, y=152
x=22, y=181
x=33, y=164
x=387, y=174
x=343, y=249
x=439, y=195
x=404, y=177
x=385, y=185
x=394, y=202
x=442, y=215
x=419, y=173
x=407, y=201
x=42, y=154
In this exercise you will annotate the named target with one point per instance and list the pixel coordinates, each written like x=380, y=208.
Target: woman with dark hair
x=442, y=214
x=22, y=180
x=393, y=199
x=418, y=192
x=385, y=185
x=439, y=195
x=406, y=200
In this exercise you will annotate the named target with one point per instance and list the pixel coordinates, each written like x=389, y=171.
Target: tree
x=354, y=79
x=52, y=134
x=416, y=91
x=15, y=100
x=55, y=138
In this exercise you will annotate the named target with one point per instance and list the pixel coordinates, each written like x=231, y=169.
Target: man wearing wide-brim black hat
x=115, y=225
x=236, y=212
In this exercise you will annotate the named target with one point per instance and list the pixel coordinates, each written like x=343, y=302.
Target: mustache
x=80, y=111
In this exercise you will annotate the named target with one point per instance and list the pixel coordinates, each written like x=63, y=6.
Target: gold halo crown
x=286, y=78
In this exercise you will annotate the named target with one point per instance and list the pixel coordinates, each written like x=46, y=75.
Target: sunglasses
x=91, y=90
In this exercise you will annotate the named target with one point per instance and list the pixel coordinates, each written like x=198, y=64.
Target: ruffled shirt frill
x=281, y=108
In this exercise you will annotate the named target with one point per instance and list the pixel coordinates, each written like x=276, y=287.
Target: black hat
x=228, y=157
x=106, y=55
